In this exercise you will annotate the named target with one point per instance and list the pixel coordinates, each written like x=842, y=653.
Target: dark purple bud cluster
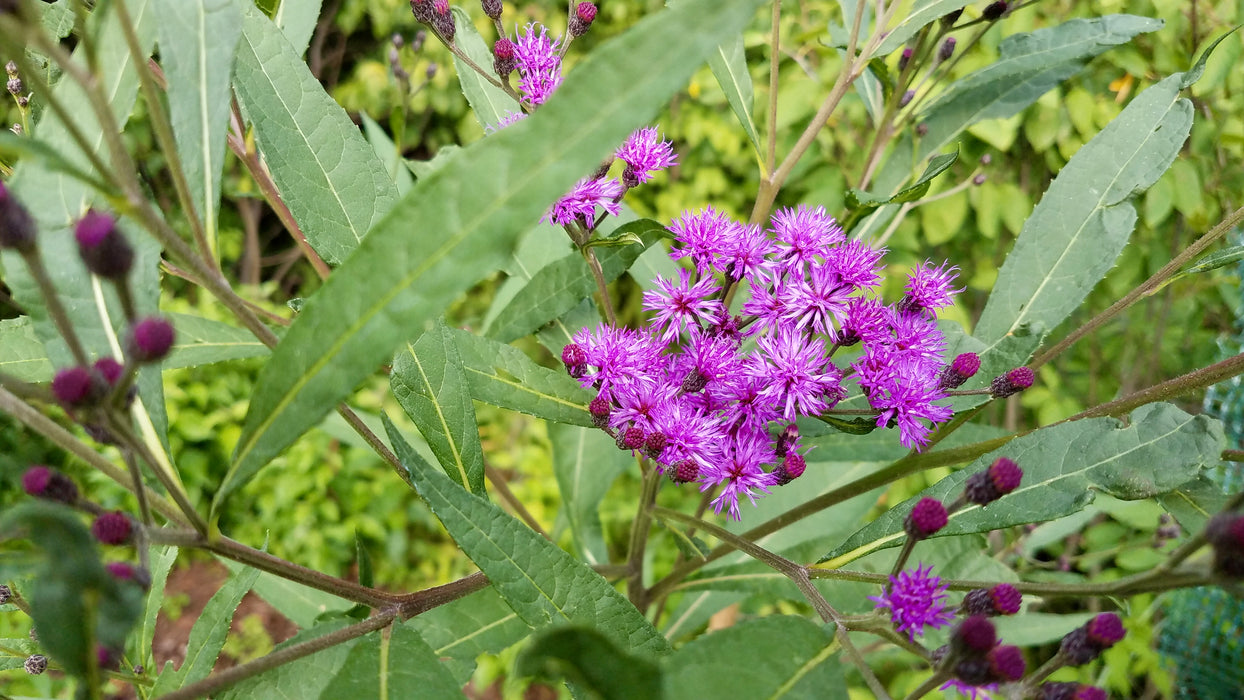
x=905, y=58
x=1062, y=690
x=17, y=228
x=685, y=471
x=14, y=85
x=581, y=18
x=960, y=369
x=1001, y=478
x=150, y=340
x=492, y=8
x=1011, y=382
x=422, y=10
x=36, y=664
x=113, y=528
x=1002, y=599
x=980, y=659
x=947, y=49
x=790, y=469
x=906, y=98
x=927, y=517
x=103, y=247
x=1225, y=533
x=443, y=20
x=6, y=594
x=49, y=484
x=994, y=10
x=1086, y=643
x=504, y=59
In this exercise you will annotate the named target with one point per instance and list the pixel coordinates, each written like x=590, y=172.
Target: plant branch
x=639, y=539
x=503, y=490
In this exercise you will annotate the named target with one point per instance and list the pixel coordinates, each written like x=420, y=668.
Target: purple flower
x=856, y=263
x=816, y=302
x=539, y=64
x=506, y=120
x=744, y=254
x=645, y=153
x=747, y=407
x=580, y=204
x=638, y=402
x=689, y=434
x=767, y=305
x=904, y=393
x=930, y=288
x=621, y=356
x=973, y=692
x=866, y=320
x=709, y=359
x=916, y=601
x=740, y=471
x=798, y=373
x=681, y=305
x=804, y=234
x=703, y=237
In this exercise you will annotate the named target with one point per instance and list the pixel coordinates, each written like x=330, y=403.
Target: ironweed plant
x=770, y=371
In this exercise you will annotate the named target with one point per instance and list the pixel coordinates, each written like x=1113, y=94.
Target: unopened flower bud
x=51, y=485
x=904, y=58
x=906, y=98
x=1070, y=690
x=978, y=179
x=922, y=129
x=150, y=340
x=1105, y=630
x=631, y=438
x=504, y=58
x=926, y=518
x=960, y=369
x=788, y=438
x=947, y=49
x=949, y=19
x=108, y=659
x=974, y=670
x=581, y=18
x=1006, y=662
x=14, y=86
x=1011, y=383
x=986, y=159
x=600, y=409
x=396, y=40
x=431, y=70
x=11, y=69
x=1001, y=478
x=122, y=571
x=1002, y=599
x=443, y=20
x=102, y=246
x=685, y=471
x=17, y=228
x=36, y=664
x=654, y=444
x=75, y=387
x=1085, y=643
x=112, y=528
x=974, y=636
x=694, y=382
x=791, y=468
x=1225, y=533
x=6, y=594
x=422, y=10
x=109, y=369
x=994, y=10
x=492, y=8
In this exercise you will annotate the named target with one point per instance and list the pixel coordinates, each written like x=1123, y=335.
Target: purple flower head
x=645, y=153
x=711, y=358
x=804, y=234
x=539, y=64
x=638, y=402
x=866, y=320
x=703, y=236
x=901, y=390
x=1011, y=382
x=916, y=601
x=856, y=263
x=1001, y=478
x=581, y=202
x=927, y=517
x=621, y=356
x=739, y=471
x=972, y=692
x=799, y=376
x=682, y=306
x=507, y=119
x=690, y=434
x=930, y=288
x=748, y=408
x=744, y=254
x=961, y=369
x=915, y=337
x=817, y=301
x=768, y=305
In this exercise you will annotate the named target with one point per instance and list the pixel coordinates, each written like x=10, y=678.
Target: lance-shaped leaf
x=801, y=661
x=590, y=662
x=161, y=561
x=394, y=663
x=559, y=286
x=306, y=677
x=429, y=383
x=922, y=13
x=502, y=375
x=459, y=632
x=542, y=583
x=297, y=19
x=207, y=637
x=197, y=43
x=729, y=65
x=1064, y=466
x=910, y=193
x=586, y=462
x=489, y=102
x=398, y=280
x=302, y=605
x=328, y=175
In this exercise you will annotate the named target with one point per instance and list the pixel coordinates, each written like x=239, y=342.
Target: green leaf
x=922, y=13
x=15, y=148
x=489, y=102
x=198, y=39
x=1194, y=73
x=1216, y=260
x=729, y=65
x=388, y=154
x=586, y=462
x=1064, y=466
x=1079, y=228
x=543, y=584
x=394, y=663
x=1033, y=628
x=161, y=561
x=430, y=384
x=501, y=375
x=207, y=637
x=1194, y=503
x=327, y=174
x=559, y=286
x=590, y=661
x=917, y=189
x=459, y=632
x=21, y=352
x=302, y=678
x=396, y=282
x=800, y=661
x=301, y=604
x=297, y=19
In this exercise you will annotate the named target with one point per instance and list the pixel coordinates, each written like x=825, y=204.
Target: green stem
x=34, y=263
x=774, y=59
x=606, y=302
x=639, y=540
x=1146, y=582
x=929, y=685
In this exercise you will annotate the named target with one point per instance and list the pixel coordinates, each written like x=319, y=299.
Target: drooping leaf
x=501, y=375
x=586, y=462
x=542, y=583
x=800, y=661
x=922, y=12
x=161, y=561
x=459, y=632
x=559, y=286
x=392, y=664
x=729, y=65
x=489, y=102
x=329, y=177
x=1064, y=466
x=207, y=637
x=591, y=662
x=430, y=384
x=197, y=43
x=297, y=19
x=396, y=282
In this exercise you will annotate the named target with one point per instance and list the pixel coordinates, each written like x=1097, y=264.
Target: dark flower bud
x=1011, y=383
x=1076, y=648
x=11, y=69
x=416, y=42
x=492, y=8
x=939, y=654
x=960, y=369
x=574, y=355
x=947, y=49
x=631, y=438
x=47, y=483
x=906, y=98
x=122, y=571
x=978, y=179
x=109, y=369
x=974, y=671
x=443, y=20
x=1002, y=599
x=654, y=444
x=600, y=409
x=1090, y=692
x=6, y=594
x=102, y=246
x=150, y=339
x=422, y=10
x=922, y=129
x=949, y=19
x=397, y=40
x=986, y=159
x=1058, y=690
x=108, y=659
x=36, y=664
x=112, y=528
x=1001, y=478
x=685, y=471
x=582, y=18
x=1007, y=663
x=927, y=517
x=74, y=387
x=974, y=636
x=904, y=58
x=790, y=469
x=1105, y=630
x=994, y=10
x=788, y=438
x=1086, y=643
x=630, y=179
x=1225, y=533
x=430, y=72
x=14, y=86
x=503, y=57
x=17, y=229
x=694, y=382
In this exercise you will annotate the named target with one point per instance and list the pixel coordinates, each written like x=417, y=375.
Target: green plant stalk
x=929, y=685
x=606, y=302
x=503, y=490
x=775, y=57
x=885, y=129
x=1145, y=288
x=120, y=428
x=1155, y=580
x=144, y=508
x=639, y=540
x=34, y=263
x=1169, y=389
x=219, y=681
